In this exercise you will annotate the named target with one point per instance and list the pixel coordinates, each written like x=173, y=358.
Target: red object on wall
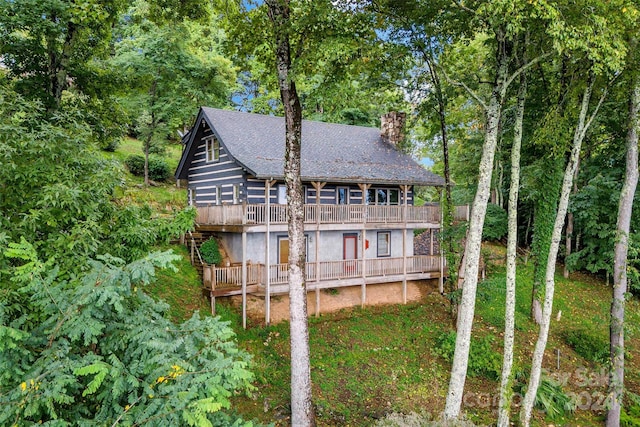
x=366, y=244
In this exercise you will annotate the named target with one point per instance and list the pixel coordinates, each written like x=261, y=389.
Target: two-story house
x=359, y=208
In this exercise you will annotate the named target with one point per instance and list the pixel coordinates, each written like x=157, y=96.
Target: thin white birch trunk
x=541, y=343
x=302, y=413
x=625, y=208
x=504, y=407
x=471, y=255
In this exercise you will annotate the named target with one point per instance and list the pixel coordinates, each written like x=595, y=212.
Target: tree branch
x=467, y=88
x=525, y=67
x=600, y=101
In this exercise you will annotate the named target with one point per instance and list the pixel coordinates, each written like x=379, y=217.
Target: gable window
x=213, y=149
x=342, y=195
x=383, y=196
x=384, y=243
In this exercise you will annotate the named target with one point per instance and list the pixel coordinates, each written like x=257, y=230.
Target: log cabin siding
x=215, y=178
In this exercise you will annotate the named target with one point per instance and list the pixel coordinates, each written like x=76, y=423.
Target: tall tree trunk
x=616, y=376
x=504, y=407
x=302, y=413
x=151, y=130
x=543, y=221
x=545, y=206
x=59, y=62
x=569, y=230
x=474, y=238
x=541, y=343
x=451, y=255
x=442, y=118
x=147, y=146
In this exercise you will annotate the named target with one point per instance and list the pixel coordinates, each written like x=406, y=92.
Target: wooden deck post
x=364, y=188
x=405, y=190
x=318, y=187
x=244, y=279
x=364, y=267
x=267, y=219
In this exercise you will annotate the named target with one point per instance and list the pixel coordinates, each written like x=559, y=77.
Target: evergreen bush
x=211, y=252
x=158, y=167
x=111, y=145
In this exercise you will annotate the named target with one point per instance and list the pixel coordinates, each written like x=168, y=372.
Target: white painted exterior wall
x=330, y=246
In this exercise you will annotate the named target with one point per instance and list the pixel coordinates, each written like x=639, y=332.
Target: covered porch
x=262, y=214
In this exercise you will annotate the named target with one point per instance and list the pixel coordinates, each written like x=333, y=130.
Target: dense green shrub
x=158, y=167
x=135, y=164
x=483, y=359
x=211, y=252
x=495, y=223
x=111, y=145
x=588, y=344
x=630, y=416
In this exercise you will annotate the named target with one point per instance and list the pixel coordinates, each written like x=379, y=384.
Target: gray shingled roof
x=330, y=152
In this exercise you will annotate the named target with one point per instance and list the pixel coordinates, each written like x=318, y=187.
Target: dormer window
x=213, y=149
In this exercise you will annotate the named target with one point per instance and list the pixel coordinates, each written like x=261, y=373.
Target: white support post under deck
x=244, y=279
x=267, y=261
x=318, y=186
x=405, y=190
x=364, y=188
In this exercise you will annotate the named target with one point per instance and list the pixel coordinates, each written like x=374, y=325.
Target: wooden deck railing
x=322, y=271
x=324, y=214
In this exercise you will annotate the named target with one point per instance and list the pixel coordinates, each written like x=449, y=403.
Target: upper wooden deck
x=260, y=214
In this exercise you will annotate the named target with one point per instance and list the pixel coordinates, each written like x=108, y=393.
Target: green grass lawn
x=165, y=197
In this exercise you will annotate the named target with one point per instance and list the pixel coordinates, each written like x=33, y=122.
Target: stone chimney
x=391, y=126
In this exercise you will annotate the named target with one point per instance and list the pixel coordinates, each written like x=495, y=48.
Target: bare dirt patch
x=335, y=299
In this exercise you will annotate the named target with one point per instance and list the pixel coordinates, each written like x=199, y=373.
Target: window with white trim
x=384, y=243
x=218, y=191
x=192, y=196
x=236, y=194
x=212, y=149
